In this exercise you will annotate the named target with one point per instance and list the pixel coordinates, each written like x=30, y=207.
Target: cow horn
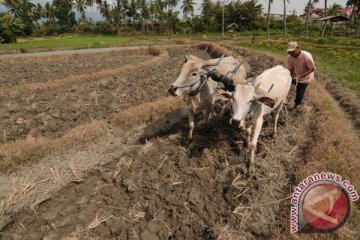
x=214, y=64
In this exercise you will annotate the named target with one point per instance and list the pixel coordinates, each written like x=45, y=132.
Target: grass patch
x=32, y=44
x=83, y=41
x=339, y=60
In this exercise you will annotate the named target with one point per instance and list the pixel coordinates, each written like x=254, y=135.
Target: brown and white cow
x=200, y=90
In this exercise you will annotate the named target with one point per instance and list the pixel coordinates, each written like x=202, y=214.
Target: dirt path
x=80, y=51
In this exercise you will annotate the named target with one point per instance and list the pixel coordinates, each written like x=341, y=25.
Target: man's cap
x=291, y=46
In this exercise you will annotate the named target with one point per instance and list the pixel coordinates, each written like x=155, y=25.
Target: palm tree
x=23, y=9
x=250, y=11
x=325, y=8
x=170, y=4
x=207, y=10
x=112, y=13
x=81, y=6
x=157, y=9
x=268, y=18
x=145, y=14
x=285, y=29
x=309, y=6
x=132, y=8
x=11, y=28
x=356, y=13
x=188, y=8
x=335, y=10
x=48, y=12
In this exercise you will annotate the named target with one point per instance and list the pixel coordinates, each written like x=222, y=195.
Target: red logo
x=326, y=206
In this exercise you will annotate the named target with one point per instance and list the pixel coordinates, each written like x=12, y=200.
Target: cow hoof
x=251, y=171
x=187, y=141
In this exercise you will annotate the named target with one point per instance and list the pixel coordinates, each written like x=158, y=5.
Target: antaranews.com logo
x=321, y=203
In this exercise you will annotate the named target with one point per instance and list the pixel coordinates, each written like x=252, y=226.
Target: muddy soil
x=168, y=188
x=40, y=69
x=51, y=113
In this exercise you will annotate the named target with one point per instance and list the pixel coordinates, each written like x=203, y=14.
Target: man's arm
x=289, y=66
x=310, y=68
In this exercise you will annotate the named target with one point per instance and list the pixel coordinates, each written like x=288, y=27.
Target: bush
x=153, y=51
x=23, y=50
x=103, y=27
x=98, y=44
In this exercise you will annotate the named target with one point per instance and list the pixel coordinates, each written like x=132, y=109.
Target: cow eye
x=185, y=61
x=194, y=74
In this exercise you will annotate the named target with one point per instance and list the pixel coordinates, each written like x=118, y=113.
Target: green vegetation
x=122, y=17
x=337, y=58
x=73, y=41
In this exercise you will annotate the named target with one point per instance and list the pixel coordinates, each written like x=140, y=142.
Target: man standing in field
x=301, y=66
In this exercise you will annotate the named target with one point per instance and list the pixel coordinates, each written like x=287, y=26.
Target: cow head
x=242, y=99
x=190, y=76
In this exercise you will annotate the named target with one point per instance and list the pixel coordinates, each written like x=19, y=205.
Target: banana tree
x=11, y=28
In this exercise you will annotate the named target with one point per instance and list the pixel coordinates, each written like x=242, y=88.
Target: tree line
x=24, y=18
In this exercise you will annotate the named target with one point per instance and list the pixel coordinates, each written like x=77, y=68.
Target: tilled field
x=37, y=69
x=146, y=181
x=52, y=112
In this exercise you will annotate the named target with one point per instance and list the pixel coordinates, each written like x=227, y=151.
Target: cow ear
x=267, y=101
x=224, y=97
x=186, y=58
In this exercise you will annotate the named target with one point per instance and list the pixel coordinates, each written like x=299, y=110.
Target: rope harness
x=258, y=108
x=195, y=91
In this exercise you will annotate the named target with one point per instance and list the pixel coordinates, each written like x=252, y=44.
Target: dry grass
x=28, y=88
x=329, y=143
x=29, y=186
x=216, y=51
x=98, y=220
x=334, y=147
x=323, y=139
x=147, y=111
x=32, y=149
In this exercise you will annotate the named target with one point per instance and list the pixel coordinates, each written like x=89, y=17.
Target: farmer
x=301, y=66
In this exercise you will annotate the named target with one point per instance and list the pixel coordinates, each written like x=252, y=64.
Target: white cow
x=199, y=90
x=246, y=101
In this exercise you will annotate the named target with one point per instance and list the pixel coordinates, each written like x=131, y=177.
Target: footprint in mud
x=195, y=150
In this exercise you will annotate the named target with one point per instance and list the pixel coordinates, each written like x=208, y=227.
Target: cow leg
x=191, y=115
x=257, y=128
x=277, y=113
x=248, y=131
x=207, y=116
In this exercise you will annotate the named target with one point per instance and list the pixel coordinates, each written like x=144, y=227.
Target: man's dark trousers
x=300, y=91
